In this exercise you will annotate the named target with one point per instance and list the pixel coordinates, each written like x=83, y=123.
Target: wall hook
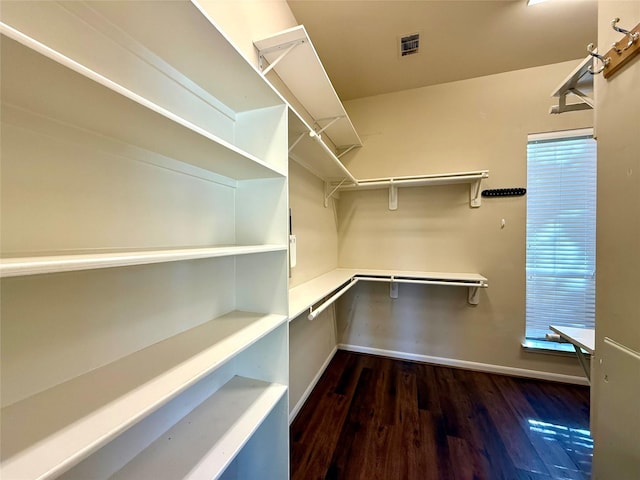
x=591, y=48
x=633, y=37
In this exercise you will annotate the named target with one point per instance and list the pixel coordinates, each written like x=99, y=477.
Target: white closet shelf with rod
x=307, y=148
x=69, y=262
x=578, y=83
x=335, y=283
x=78, y=417
x=293, y=57
x=474, y=179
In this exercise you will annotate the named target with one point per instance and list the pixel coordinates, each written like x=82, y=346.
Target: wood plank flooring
x=377, y=418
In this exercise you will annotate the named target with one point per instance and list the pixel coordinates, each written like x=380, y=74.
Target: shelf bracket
x=473, y=297
x=333, y=120
x=393, y=196
x=297, y=140
x=393, y=288
x=346, y=150
x=475, y=199
x=261, y=57
x=328, y=194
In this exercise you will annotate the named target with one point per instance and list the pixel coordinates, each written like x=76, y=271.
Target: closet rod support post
x=393, y=196
x=474, y=296
x=475, y=199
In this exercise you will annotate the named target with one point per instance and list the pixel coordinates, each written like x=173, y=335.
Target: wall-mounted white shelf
x=307, y=294
x=77, y=92
x=336, y=282
x=203, y=444
x=49, y=432
x=474, y=179
x=293, y=57
x=472, y=281
x=309, y=150
x=20, y=266
x=578, y=83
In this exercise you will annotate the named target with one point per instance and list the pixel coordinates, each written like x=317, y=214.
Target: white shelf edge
x=99, y=79
x=14, y=267
x=318, y=107
x=135, y=386
x=207, y=440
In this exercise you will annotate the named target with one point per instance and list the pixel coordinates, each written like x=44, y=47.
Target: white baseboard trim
x=307, y=392
x=480, y=367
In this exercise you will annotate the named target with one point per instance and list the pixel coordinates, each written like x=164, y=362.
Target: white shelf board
x=579, y=78
x=309, y=153
x=67, y=262
x=418, y=180
x=471, y=278
x=307, y=294
x=204, y=443
x=75, y=93
x=584, y=338
x=48, y=433
x=302, y=72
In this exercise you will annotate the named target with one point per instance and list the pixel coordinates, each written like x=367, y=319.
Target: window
x=561, y=232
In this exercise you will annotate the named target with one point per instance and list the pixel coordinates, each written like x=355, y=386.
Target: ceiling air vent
x=409, y=44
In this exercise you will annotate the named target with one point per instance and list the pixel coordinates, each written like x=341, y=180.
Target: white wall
x=474, y=124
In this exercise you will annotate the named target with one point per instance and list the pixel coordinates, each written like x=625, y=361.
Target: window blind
x=561, y=231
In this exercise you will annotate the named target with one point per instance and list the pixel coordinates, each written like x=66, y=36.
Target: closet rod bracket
x=475, y=199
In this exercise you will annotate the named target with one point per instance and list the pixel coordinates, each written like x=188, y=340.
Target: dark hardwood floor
x=377, y=418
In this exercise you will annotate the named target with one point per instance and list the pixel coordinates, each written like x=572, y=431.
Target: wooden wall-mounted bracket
x=622, y=51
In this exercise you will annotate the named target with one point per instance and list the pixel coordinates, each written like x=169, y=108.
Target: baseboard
x=307, y=392
x=480, y=367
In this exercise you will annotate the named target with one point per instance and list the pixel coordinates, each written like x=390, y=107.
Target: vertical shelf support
x=393, y=288
x=474, y=296
x=393, y=195
x=475, y=199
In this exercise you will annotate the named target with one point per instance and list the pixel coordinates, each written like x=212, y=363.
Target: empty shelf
x=13, y=267
x=74, y=94
x=46, y=434
x=203, y=443
x=302, y=72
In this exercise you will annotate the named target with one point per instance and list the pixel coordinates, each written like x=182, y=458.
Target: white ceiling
x=358, y=40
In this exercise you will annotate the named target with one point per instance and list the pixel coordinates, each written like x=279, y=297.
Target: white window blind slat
x=561, y=247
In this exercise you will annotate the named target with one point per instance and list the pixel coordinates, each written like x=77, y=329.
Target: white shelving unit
x=144, y=244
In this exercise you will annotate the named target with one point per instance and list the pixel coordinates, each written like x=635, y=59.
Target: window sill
x=549, y=348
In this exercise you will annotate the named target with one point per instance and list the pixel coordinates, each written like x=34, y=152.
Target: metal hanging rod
x=314, y=313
